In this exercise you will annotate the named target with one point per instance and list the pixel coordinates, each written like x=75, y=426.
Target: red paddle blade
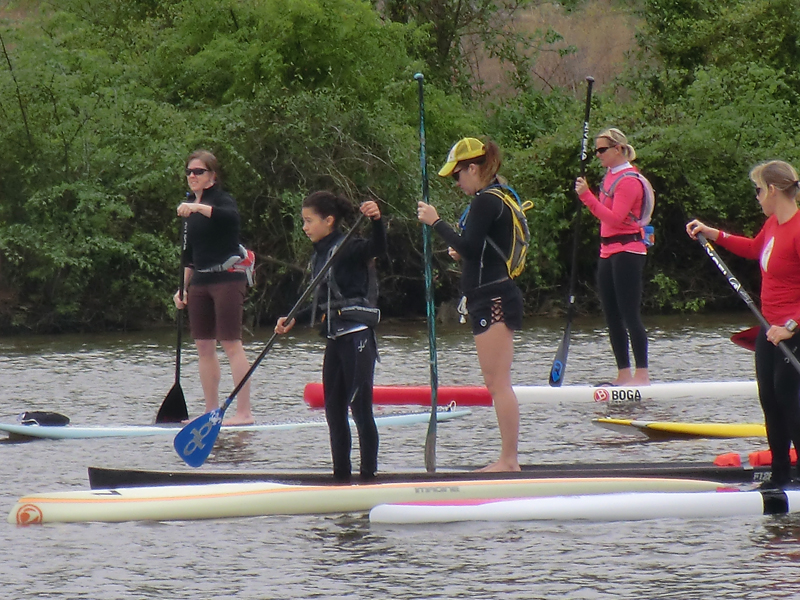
x=746, y=339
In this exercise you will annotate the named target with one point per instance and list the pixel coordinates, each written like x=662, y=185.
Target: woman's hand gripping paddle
x=717, y=260
x=430, y=438
x=196, y=440
x=173, y=408
x=559, y=368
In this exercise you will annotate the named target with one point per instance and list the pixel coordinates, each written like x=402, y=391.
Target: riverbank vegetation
x=101, y=101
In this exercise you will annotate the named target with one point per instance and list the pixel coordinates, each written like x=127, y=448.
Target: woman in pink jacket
x=619, y=206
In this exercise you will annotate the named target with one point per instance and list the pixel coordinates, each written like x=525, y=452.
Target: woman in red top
x=622, y=253
x=777, y=247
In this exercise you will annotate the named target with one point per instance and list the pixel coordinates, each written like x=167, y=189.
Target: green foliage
x=690, y=34
x=457, y=35
x=102, y=100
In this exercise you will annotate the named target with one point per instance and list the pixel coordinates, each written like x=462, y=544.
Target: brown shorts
x=216, y=309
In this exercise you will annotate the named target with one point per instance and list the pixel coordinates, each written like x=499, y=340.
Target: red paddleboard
x=411, y=394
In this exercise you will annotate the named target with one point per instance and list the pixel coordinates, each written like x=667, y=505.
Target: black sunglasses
x=602, y=149
x=758, y=192
x=456, y=175
x=198, y=171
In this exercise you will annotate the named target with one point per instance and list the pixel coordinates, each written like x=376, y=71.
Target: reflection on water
x=122, y=379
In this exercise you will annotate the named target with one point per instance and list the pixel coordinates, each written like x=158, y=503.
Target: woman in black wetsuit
x=347, y=299
x=493, y=300
x=216, y=296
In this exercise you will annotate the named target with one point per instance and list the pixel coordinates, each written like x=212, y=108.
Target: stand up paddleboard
x=544, y=394
x=106, y=478
x=21, y=432
x=664, y=430
x=224, y=500
x=603, y=507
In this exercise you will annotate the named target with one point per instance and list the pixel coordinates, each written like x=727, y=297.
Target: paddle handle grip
x=739, y=289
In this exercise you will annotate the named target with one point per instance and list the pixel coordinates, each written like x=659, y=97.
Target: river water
x=122, y=379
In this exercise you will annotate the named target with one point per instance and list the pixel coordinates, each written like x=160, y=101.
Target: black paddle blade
x=173, y=409
x=559, y=368
x=430, y=447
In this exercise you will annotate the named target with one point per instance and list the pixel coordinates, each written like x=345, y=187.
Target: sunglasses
x=456, y=175
x=602, y=149
x=198, y=171
x=758, y=192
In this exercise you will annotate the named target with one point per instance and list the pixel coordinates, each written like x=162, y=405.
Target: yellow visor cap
x=464, y=149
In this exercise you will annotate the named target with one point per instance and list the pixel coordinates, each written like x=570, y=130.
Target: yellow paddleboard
x=674, y=430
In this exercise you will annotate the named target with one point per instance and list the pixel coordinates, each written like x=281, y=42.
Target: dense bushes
x=100, y=102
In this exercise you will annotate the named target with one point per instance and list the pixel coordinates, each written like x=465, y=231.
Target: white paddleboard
x=603, y=507
x=103, y=431
x=544, y=394
x=221, y=500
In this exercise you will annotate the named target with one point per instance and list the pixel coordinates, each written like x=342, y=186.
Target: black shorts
x=501, y=303
x=216, y=309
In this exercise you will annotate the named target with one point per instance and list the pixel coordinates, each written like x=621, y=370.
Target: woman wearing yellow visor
x=493, y=300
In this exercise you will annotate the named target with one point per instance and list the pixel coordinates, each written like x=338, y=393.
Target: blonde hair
x=617, y=138
x=776, y=173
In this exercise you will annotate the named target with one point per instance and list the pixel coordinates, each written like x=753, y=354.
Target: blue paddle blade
x=195, y=441
x=559, y=367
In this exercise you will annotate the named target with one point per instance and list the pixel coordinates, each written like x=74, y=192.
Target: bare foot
x=239, y=420
x=641, y=377
x=501, y=466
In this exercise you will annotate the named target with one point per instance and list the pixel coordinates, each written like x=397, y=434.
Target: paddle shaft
x=292, y=313
x=559, y=367
x=184, y=235
x=737, y=286
x=430, y=438
x=173, y=407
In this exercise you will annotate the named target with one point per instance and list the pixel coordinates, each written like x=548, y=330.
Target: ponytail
x=327, y=204
x=776, y=173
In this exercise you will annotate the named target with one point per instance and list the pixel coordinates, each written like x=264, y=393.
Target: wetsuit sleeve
x=364, y=249
x=627, y=194
x=484, y=210
x=225, y=210
x=378, y=243
x=742, y=246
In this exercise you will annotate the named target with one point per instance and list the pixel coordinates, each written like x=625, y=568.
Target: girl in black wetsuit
x=347, y=299
x=493, y=300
